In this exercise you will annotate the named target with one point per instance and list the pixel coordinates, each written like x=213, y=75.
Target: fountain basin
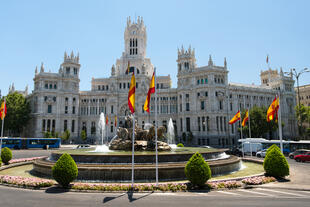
x=116, y=167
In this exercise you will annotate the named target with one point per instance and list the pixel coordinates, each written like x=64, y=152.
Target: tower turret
x=135, y=38
x=186, y=59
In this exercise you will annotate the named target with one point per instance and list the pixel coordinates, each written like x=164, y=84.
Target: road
x=234, y=198
x=260, y=196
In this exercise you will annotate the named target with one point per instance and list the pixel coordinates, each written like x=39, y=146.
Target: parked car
x=261, y=153
x=303, y=157
x=83, y=146
x=297, y=152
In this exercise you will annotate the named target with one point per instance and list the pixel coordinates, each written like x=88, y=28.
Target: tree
x=18, y=113
x=303, y=117
x=66, y=135
x=83, y=135
x=258, y=122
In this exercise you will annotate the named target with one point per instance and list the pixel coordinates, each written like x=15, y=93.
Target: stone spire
x=36, y=70
x=210, y=63
x=113, y=70
x=42, y=68
x=225, y=63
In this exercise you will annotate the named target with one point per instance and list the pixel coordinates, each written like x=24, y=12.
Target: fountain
x=113, y=162
x=102, y=129
x=170, y=135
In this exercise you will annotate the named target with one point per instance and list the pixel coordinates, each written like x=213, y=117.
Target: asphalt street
x=236, y=198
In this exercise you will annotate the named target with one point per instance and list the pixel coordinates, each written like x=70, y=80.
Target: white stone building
x=202, y=103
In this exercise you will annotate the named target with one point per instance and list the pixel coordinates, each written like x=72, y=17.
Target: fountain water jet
x=102, y=128
x=170, y=134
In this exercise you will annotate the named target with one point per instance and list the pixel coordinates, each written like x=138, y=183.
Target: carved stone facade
x=202, y=103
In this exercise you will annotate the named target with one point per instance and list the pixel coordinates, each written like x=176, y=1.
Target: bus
x=29, y=143
x=288, y=146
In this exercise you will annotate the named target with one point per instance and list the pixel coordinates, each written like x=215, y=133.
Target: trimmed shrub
x=197, y=170
x=65, y=170
x=274, y=146
x=275, y=163
x=180, y=145
x=6, y=155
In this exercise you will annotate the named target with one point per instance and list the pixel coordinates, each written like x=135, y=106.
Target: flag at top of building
x=272, y=111
x=151, y=90
x=246, y=118
x=131, y=93
x=106, y=120
x=3, y=110
x=235, y=118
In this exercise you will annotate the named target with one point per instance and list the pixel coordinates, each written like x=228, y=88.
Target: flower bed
x=258, y=180
x=26, y=182
x=25, y=159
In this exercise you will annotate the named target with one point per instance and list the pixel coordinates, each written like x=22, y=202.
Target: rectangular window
x=217, y=123
x=221, y=105
x=187, y=106
x=202, y=105
x=206, y=80
x=111, y=128
x=187, y=95
x=203, y=124
x=208, y=123
x=124, y=85
x=75, y=71
x=231, y=107
x=180, y=107
x=49, y=109
x=53, y=125
x=43, y=125
x=68, y=70
x=221, y=123
x=198, y=94
x=206, y=93
x=48, y=125
x=73, y=109
x=188, y=124
x=46, y=86
x=112, y=109
x=65, y=125
x=181, y=124
x=120, y=85
x=72, y=125
x=198, y=123
x=66, y=109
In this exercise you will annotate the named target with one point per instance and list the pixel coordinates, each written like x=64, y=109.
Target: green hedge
x=275, y=163
x=6, y=155
x=180, y=145
x=197, y=170
x=65, y=170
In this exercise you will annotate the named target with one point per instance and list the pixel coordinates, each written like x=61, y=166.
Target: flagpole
x=156, y=150
x=2, y=128
x=280, y=124
x=250, y=132
x=133, y=151
x=241, y=135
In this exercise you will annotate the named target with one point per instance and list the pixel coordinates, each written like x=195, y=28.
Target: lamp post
x=296, y=75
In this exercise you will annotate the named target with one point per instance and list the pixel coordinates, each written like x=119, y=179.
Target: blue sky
x=244, y=32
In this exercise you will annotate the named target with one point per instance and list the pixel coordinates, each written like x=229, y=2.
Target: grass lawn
x=250, y=169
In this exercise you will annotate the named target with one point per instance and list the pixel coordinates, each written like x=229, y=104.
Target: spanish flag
x=272, y=111
x=151, y=90
x=246, y=118
x=235, y=118
x=128, y=66
x=3, y=110
x=131, y=93
x=115, y=121
x=107, y=120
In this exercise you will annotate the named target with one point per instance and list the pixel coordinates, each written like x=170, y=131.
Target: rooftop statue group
x=144, y=138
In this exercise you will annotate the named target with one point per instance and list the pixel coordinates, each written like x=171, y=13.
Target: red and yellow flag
x=272, y=111
x=246, y=118
x=128, y=66
x=106, y=120
x=131, y=93
x=115, y=121
x=151, y=90
x=235, y=118
x=3, y=110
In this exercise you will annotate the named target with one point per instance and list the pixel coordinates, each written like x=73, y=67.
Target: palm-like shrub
x=275, y=163
x=65, y=170
x=197, y=170
x=6, y=155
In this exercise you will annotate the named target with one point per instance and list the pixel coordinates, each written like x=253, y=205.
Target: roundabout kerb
x=116, y=166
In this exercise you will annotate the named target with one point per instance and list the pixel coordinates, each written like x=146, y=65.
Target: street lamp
x=297, y=74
